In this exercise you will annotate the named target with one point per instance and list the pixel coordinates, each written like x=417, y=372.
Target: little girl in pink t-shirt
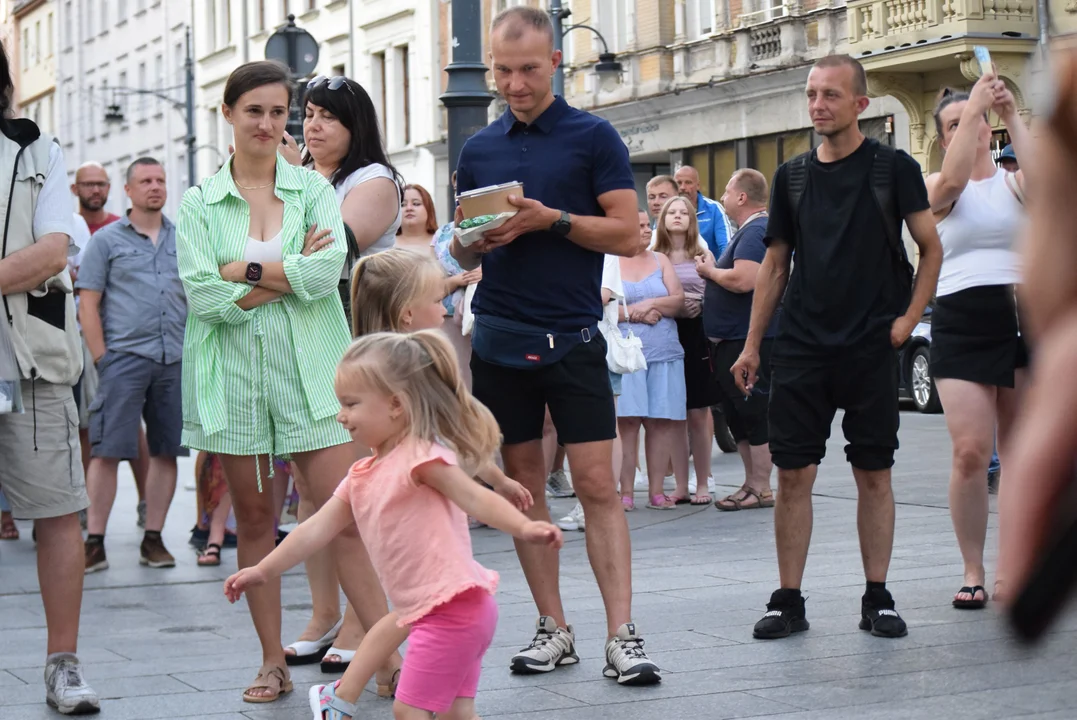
x=402, y=396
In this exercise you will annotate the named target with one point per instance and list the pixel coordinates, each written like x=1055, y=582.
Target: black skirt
x=975, y=336
x=699, y=384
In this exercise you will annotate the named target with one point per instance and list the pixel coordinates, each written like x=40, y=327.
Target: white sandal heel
x=308, y=652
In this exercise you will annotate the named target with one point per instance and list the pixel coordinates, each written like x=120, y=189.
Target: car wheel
x=722, y=434
x=924, y=392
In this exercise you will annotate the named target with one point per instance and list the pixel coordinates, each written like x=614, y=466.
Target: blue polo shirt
x=565, y=159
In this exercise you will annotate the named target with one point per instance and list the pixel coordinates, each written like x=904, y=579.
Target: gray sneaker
x=65, y=689
x=551, y=647
x=626, y=662
x=558, y=485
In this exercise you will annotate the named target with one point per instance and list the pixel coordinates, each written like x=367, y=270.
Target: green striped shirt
x=212, y=230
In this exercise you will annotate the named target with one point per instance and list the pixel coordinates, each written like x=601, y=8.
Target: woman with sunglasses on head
x=260, y=264
x=978, y=355
x=343, y=144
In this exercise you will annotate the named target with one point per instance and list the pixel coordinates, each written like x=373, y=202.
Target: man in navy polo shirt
x=535, y=340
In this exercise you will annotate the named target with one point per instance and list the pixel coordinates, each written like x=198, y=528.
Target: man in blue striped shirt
x=713, y=224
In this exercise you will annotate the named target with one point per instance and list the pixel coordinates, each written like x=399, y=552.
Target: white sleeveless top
x=979, y=237
x=265, y=251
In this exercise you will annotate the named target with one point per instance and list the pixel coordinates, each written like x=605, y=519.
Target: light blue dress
x=659, y=391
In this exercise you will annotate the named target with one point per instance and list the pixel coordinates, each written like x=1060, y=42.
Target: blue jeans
x=4, y=505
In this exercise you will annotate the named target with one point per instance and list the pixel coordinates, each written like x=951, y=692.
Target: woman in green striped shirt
x=264, y=334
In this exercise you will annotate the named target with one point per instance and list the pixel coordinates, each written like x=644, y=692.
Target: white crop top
x=265, y=251
x=979, y=237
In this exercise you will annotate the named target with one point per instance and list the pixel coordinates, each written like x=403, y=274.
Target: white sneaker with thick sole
x=551, y=648
x=559, y=486
x=626, y=662
x=573, y=521
x=641, y=483
x=65, y=690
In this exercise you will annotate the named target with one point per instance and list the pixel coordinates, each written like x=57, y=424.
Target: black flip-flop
x=972, y=604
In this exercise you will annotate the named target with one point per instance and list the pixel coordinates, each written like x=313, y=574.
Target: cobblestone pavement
x=165, y=643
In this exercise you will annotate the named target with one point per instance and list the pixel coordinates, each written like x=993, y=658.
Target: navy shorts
x=132, y=387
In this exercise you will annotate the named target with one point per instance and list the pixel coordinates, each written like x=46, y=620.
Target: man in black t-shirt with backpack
x=850, y=303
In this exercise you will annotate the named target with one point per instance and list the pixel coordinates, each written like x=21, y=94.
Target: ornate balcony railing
x=885, y=24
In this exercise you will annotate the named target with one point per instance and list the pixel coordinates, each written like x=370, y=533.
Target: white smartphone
x=983, y=57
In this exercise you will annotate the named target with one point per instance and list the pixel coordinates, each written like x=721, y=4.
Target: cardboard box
x=491, y=200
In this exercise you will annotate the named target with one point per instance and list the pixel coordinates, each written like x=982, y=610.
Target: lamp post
x=466, y=98
x=607, y=67
x=296, y=48
x=114, y=113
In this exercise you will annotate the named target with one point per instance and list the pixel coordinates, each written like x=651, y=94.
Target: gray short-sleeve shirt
x=143, y=306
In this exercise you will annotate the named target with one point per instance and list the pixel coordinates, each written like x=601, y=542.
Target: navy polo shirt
x=565, y=159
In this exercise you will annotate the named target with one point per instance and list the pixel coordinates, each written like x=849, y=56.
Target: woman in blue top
x=653, y=397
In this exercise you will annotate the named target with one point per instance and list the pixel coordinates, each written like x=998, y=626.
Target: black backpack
x=882, y=189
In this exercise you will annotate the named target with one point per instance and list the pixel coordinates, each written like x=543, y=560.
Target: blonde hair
x=421, y=370
x=385, y=284
x=664, y=244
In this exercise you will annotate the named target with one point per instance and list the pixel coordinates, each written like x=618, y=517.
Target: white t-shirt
x=53, y=211
x=611, y=277
x=360, y=176
x=80, y=237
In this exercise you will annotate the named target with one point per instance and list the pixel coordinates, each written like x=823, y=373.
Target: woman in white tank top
x=977, y=354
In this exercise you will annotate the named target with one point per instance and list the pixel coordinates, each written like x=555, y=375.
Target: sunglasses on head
x=335, y=83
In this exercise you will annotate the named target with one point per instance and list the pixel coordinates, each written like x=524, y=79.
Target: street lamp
x=466, y=98
x=114, y=113
x=608, y=68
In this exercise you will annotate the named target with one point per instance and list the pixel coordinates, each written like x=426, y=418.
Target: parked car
x=914, y=363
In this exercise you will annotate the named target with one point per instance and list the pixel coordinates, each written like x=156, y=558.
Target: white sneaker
x=692, y=482
x=558, y=485
x=573, y=521
x=641, y=482
x=65, y=689
x=551, y=647
x=626, y=662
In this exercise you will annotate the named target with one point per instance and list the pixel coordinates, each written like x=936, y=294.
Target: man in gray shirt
x=133, y=311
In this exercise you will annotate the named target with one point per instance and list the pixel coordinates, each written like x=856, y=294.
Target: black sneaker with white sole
x=551, y=647
x=626, y=662
x=784, y=616
x=878, y=615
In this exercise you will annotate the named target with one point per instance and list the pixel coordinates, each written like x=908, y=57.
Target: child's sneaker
x=325, y=704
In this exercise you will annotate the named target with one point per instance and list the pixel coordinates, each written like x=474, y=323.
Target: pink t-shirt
x=417, y=538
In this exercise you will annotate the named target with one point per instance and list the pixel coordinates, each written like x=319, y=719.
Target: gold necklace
x=255, y=187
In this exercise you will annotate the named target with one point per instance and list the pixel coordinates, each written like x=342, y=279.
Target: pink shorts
x=445, y=648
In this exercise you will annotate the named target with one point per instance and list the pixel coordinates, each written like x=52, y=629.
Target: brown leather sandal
x=270, y=677
x=735, y=501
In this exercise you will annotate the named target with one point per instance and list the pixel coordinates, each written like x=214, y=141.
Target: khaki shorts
x=41, y=472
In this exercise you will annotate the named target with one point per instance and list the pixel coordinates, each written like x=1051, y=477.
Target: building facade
x=33, y=61
x=121, y=88
x=913, y=49
x=391, y=47
x=715, y=84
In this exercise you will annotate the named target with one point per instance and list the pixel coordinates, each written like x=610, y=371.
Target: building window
x=104, y=15
x=283, y=11
x=700, y=18
x=211, y=127
x=377, y=84
x=68, y=11
x=121, y=10
x=402, y=81
x=142, y=98
x=48, y=36
x=616, y=20
x=224, y=23
x=211, y=24
x=37, y=42
x=159, y=75
x=259, y=15
x=121, y=96
x=25, y=48
x=89, y=24
x=312, y=4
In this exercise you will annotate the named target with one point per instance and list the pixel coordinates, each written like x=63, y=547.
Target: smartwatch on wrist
x=254, y=273
x=563, y=225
